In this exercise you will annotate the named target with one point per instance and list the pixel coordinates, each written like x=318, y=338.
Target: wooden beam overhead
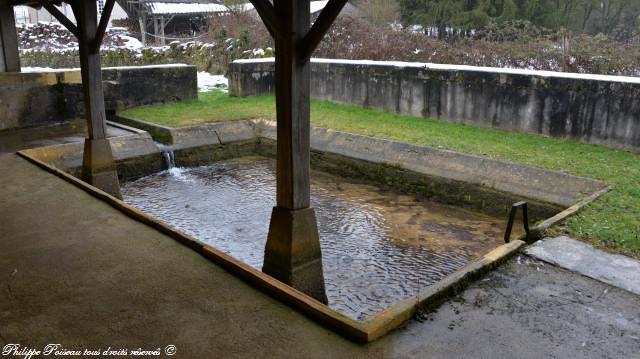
x=60, y=16
x=104, y=22
x=322, y=24
x=269, y=16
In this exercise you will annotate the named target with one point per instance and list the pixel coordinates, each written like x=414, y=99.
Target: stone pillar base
x=98, y=166
x=292, y=254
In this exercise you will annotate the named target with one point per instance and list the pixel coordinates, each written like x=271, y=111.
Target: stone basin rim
x=359, y=331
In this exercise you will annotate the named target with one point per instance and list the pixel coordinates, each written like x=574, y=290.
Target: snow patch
x=208, y=82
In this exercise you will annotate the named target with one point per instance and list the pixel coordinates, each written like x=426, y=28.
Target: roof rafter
x=320, y=27
x=104, y=21
x=269, y=16
x=50, y=6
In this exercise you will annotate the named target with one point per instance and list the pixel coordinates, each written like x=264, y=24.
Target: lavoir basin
x=401, y=226
x=378, y=247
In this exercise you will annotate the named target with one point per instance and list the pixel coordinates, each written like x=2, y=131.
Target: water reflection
x=378, y=247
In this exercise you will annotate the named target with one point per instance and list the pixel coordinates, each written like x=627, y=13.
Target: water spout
x=169, y=159
x=167, y=155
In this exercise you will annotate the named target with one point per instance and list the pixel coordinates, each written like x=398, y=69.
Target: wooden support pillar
x=9, y=54
x=292, y=253
x=98, y=166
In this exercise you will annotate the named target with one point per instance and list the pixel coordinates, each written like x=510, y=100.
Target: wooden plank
x=293, y=107
x=9, y=55
x=86, y=12
x=269, y=16
x=320, y=27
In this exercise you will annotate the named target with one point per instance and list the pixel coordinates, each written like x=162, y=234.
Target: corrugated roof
x=173, y=8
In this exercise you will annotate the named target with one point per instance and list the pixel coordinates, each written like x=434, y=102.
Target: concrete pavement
x=75, y=271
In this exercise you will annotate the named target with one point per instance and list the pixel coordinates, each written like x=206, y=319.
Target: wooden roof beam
x=268, y=15
x=104, y=22
x=60, y=16
x=322, y=24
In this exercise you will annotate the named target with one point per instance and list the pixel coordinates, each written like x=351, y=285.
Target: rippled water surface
x=378, y=247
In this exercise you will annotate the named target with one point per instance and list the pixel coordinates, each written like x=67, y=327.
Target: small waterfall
x=170, y=163
x=169, y=158
x=167, y=155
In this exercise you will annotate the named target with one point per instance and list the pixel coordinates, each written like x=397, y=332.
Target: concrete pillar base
x=293, y=254
x=98, y=166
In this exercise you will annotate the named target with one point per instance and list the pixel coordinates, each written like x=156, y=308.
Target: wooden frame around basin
x=359, y=331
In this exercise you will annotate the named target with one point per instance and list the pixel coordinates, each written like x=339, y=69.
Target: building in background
x=162, y=21
x=26, y=15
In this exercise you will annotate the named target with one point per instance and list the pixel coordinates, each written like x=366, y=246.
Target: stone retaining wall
x=588, y=108
x=45, y=98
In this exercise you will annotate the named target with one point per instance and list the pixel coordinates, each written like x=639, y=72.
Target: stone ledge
x=613, y=269
x=534, y=183
x=34, y=99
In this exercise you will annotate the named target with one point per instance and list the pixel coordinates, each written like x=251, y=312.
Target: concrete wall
x=45, y=98
x=589, y=108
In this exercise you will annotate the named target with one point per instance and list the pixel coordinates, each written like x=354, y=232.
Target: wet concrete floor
x=77, y=272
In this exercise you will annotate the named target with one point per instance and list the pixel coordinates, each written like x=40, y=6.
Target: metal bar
x=512, y=218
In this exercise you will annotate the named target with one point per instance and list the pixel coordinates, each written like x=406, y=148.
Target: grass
x=612, y=222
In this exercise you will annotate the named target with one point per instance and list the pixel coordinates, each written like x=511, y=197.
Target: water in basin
x=378, y=247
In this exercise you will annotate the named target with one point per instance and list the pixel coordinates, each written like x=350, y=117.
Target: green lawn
x=612, y=222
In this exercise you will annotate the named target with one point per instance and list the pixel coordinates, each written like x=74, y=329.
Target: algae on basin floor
x=379, y=247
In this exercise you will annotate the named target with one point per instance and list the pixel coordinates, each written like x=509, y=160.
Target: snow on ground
x=53, y=37
x=130, y=42
x=208, y=82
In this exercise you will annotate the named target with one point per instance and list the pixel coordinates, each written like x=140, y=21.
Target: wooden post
x=9, y=54
x=98, y=167
x=292, y=253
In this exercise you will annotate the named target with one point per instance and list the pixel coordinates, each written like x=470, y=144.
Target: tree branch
x=60, y=16
x=269, y=16
x=320, y=28
x=104, y=21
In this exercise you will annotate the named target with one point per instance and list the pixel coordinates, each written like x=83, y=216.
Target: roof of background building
x=316, y=6
x=183, y=7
